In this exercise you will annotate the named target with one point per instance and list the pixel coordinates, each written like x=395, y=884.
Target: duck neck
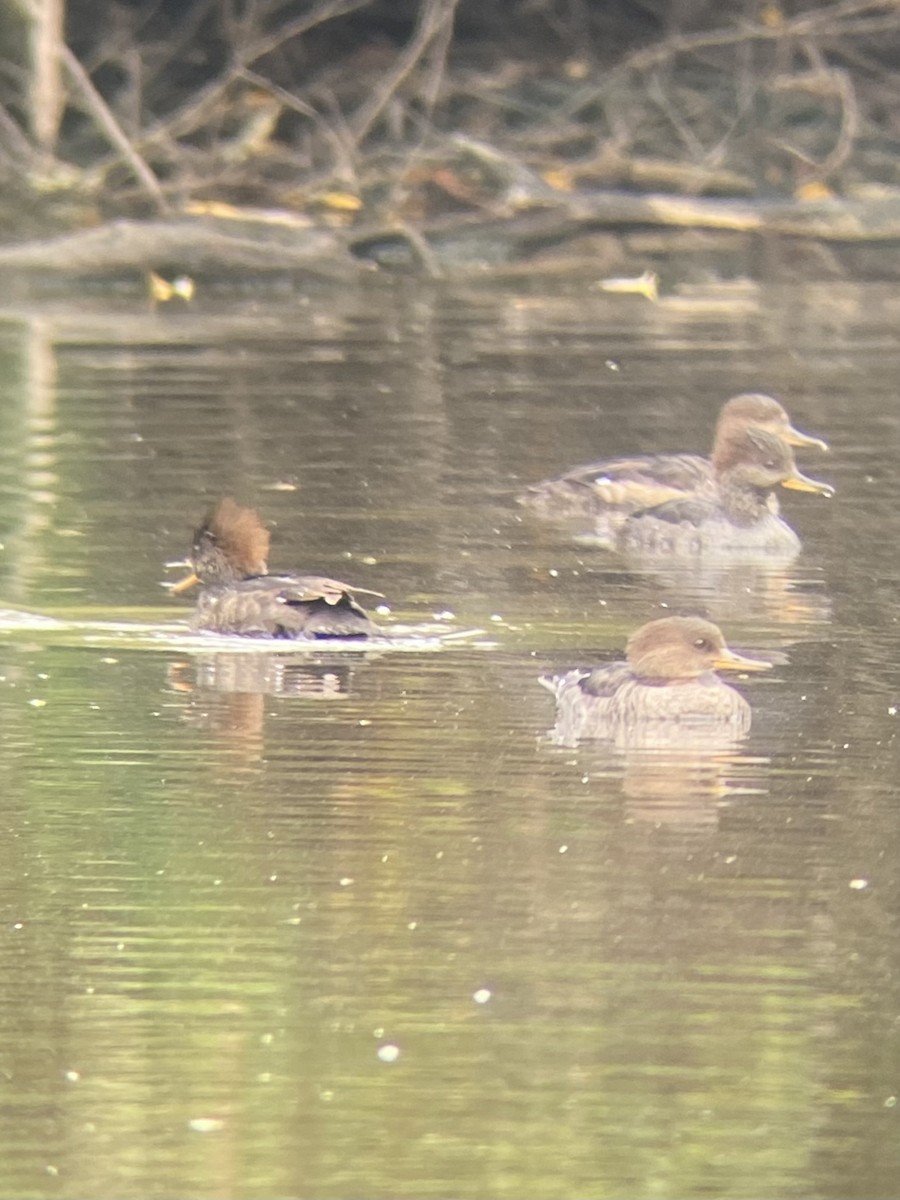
x=744, y=504
x=216, y=570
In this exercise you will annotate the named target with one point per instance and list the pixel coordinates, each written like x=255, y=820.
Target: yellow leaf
x=343, y=201
x=559, y=178
x=162, y=290
x=814, y=190
x=638, y=285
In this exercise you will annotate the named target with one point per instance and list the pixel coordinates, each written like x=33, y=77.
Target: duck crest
x=238, y=534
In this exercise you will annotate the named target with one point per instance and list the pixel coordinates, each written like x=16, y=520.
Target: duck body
x=239, y=596
x=735, y=518
x=606, y=492
x=608, y=701
x=668, y=683
x=283, y=606
x=704, y=528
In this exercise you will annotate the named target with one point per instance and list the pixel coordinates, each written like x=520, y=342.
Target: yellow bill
x=802, y=483
x=727, y=660
x=794, y=437
x=183, y=584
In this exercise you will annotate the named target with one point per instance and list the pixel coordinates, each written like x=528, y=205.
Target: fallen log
x=287, y=242
x=186, y=244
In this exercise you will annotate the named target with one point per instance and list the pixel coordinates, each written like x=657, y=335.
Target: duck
x=238, y=595
x=607, y=491
x=733, y=519
x=668, y=678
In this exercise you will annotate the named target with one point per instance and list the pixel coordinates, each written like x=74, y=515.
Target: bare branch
x=107, y=123
x=204, y=102
x=47, y=99
x=823, y=20
x=431, y=23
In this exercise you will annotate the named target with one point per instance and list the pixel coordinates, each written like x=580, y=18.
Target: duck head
x=231, y=544
x=677, y=648
x=758, y=460
x=763, y=412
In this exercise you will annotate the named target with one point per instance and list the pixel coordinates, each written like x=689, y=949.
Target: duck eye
x=702, y=644
x=771, y=465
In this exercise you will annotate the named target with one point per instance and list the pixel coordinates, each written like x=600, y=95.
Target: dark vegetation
x=405, y=116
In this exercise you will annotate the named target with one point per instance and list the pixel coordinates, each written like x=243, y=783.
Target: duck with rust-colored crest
x=239, y=596
x=608, y=491
x=668, y=678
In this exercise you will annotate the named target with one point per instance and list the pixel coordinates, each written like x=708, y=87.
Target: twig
x=421, y=248
x=47, y=99
x=692, y=143
x=18, y=143
x=343, y=156
x=206, y=99
x=826, y=81
x=430, y=25
x=106, y=121
x=432, y=87
x=100, y=111
x=821, y=21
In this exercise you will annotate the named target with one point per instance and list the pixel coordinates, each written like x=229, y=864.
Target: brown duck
x=238, y=595
x=736, y=515
x=669, y=676
x=608, y=490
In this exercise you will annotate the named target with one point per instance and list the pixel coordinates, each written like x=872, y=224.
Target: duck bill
x=794, y=437
x=183, y=584
x=729, y=661
x=802, y=483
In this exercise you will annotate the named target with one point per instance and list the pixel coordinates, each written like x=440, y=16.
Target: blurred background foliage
x=403, y=110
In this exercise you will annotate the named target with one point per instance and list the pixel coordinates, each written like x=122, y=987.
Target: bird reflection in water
x=745, y=591
x=275, y=675
x=228, y=692
x=684, y=785
x=311, y=678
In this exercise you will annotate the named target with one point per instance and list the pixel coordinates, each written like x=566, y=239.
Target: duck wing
x=604, y=682
x=686, y=511
x=644, y=479
x=303, y=589
x=596, y=682
x=316, y=606
x=285, y=606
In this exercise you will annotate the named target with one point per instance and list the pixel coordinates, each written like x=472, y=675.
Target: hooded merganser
x=607, y=491
x=736, y=517
x=668, y=676
x=228, y=560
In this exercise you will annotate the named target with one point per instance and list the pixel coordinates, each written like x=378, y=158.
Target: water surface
x=339, y=924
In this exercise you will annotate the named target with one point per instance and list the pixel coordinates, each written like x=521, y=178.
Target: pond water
x=338, y=924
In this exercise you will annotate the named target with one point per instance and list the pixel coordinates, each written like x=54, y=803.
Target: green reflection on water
x=226, y=891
